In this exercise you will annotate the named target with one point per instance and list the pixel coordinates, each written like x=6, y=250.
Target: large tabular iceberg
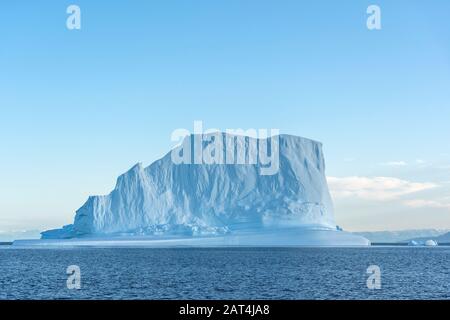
x=216, y=204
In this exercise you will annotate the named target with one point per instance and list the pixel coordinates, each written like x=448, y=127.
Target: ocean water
x=226, y=273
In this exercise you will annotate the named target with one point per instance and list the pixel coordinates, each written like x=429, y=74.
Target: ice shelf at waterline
x=216, y=204
x=295, y=237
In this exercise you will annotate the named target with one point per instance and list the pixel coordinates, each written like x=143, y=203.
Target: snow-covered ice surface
x=166, y=204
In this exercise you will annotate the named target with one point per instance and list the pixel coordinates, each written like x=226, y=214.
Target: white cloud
x=374, y=188
x=421, y=203
x=395, y=163
x=420, y=161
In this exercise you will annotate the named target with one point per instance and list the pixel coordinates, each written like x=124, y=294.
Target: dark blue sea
x=226, y=273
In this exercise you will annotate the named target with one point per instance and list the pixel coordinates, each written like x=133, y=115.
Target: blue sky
x=79, y=107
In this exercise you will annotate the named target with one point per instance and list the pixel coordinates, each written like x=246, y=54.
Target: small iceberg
x=427, y=243
x=431, y=243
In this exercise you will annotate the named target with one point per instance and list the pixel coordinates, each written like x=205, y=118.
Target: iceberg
x=215, y=204
x=431, y=243
x=427, y=243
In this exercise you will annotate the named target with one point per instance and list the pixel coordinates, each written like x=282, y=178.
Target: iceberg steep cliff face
x=212, y=199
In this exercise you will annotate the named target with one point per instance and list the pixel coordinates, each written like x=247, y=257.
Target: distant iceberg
x=214, y=204
x=426, y=243
x=431, y=243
